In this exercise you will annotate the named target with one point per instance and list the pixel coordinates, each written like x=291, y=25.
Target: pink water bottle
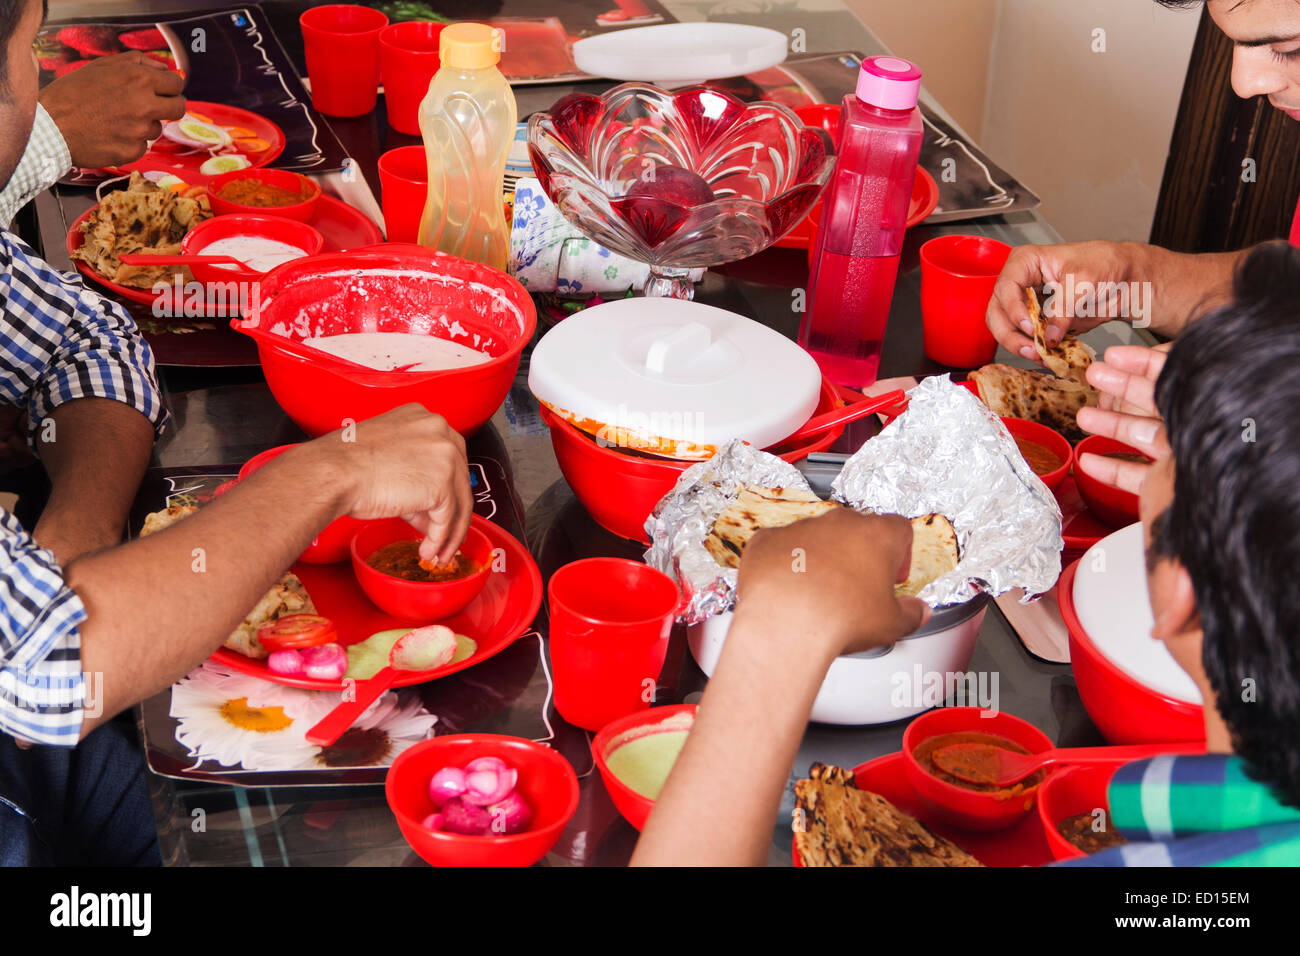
x=864, y=216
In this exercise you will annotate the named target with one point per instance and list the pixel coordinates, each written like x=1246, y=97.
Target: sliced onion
x=324, y=662
x=460, y=817
x=510, y=815
x=446, y=783
x=486, y=787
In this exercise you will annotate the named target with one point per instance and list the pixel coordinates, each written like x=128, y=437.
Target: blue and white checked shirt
x=59, y=341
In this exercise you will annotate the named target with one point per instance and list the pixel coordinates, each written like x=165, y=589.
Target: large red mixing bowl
x=1125, y=710
x=388, y=288
x=621, y=488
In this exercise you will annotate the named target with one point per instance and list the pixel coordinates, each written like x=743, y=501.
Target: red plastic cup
x=957, y=278
x=610, y=620
x=341, y=45
x=408, y=58
x=404, y=185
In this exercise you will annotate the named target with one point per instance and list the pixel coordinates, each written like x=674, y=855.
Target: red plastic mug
x=610, y=621
x=408, y=58
x=957, y=278
x=404, y=186
x=341, y=45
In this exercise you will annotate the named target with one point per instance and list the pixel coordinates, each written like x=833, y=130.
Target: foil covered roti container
x=947, y=454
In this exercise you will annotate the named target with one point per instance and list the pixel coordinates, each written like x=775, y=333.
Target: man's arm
x=158, y=606
x=720, y=802
x=95, y=451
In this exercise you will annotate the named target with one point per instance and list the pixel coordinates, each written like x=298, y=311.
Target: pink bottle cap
x=889, y=82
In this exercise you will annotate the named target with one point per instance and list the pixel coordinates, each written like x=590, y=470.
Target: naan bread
x=934, y=542
x=934, y=552
x=841, y=825
x=1036, y=396
x=142, y=218
x=287, y=596
x=755, y=509
x=1070, y=358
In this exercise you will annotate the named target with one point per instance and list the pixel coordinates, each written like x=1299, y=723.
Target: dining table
x=224, y=414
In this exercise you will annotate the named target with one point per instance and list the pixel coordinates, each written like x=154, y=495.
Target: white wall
x=1089, y=132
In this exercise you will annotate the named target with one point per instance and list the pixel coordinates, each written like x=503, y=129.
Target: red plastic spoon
x=842, y=416
x=990, y=765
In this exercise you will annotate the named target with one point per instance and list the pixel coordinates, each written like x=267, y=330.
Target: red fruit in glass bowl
x=674, y=184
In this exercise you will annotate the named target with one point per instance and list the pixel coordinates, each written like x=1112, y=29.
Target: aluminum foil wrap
x=682, y=520
x=949, y=454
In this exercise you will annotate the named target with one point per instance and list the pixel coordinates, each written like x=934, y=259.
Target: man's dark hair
x=1230, y=398
x=11, y=13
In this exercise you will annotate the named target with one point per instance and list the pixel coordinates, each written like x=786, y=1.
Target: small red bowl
x=1050, y=439
x=634, y=807
x=418, y=600
x=279, y=178
x=333, y=543
x=1066, y=794
x=969, y=809
x=620, y=489
x=1112, y=505
x=1125, y=710
x=546, y=782
x=297, y=234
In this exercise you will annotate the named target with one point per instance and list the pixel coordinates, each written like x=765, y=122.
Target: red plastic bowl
x=424, y=292
x=1049, y=438
x=1112, y=505
x=297, y=234
x=546, y=782
x=621, y=488
x=969, y=809
x=634, y=807
x=331, y=545
x=1124, y=710
x=279, y=178
x=1068, y=793
x=418, y=600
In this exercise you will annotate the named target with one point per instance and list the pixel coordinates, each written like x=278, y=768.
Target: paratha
x=839, y=825
x=1069, y=359
x=287, y=596
x=142, y=218
x=1036, y=396
x=934, y=542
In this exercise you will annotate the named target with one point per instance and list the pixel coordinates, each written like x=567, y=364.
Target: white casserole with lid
x=674, y=377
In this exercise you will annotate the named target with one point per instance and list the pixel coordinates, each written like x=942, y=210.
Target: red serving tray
x=1024, y=844
x=342, y=227
x=501, y=613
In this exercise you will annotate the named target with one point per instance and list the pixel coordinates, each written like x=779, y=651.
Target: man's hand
x=407, y=462
x=109, y=110
x=1127, y=382
x=832, y=578
x=1032, y=267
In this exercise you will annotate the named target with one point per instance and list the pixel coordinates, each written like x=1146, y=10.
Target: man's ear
x=1179, y=616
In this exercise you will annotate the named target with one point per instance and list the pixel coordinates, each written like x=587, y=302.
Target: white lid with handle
x=677, y=370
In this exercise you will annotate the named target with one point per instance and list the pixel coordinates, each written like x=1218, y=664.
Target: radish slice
x=424, y=648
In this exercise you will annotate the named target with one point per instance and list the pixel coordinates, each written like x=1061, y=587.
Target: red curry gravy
x=1079, y=830
x=1041, y=459
x=924, y=755
x=401, y=559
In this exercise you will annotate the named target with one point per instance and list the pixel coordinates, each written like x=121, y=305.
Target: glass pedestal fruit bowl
x=679, y=180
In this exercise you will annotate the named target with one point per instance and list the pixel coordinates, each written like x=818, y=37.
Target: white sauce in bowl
x=259, y=253
x=386, y=351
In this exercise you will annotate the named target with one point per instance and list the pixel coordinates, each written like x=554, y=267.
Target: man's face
x=1266, y=53
x=18, y=92
x=1163, y=576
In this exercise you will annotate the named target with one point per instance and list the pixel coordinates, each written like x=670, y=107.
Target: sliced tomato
x=296, y=631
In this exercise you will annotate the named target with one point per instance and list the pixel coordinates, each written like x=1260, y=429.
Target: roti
x=934, y=552
x=1070, y=358
x=839, y=825
x=287, y=596
x=934, y=541
x=1036, y=396
x=755, y=509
